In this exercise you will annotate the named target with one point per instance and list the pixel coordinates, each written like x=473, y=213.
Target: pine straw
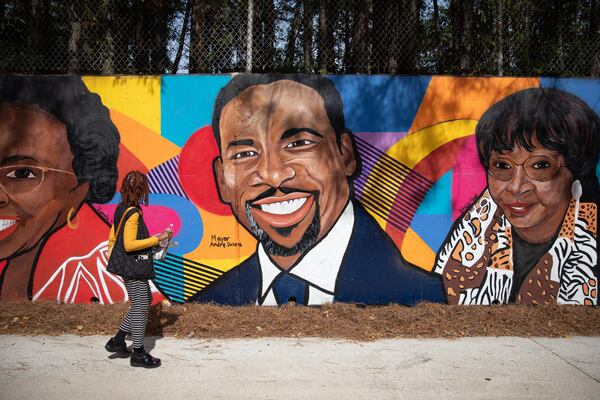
x=338, y=321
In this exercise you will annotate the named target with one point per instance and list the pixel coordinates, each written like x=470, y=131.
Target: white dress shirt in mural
x=319, y=266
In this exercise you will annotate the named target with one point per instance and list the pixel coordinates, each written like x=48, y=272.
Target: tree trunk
x=436, y=35
x=408, y=32
x=198, y=36
x=347, y=40
x=594, y=30
x=380, y=36
x=359, y=60
x=594, y=34
x=140, y=45
x=394, y=51
x=307, y=35
x=36, y=35
x=74, y=35
x=291, y=39
x=108, y=53
x=263, y=35
x=500, y=37
x=269, y=37
x=456, y=23
x=181, y=42
x=466, y=41
x=160, y=18
x=325, y=39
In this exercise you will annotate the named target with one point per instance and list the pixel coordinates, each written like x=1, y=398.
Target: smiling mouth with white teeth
x=283, y=211
x=6, y=223
x=283, y=207
x=7, y=226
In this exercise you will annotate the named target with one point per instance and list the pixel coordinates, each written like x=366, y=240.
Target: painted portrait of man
x=285, y=167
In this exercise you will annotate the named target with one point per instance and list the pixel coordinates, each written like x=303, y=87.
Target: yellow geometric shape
x=225, y=243
x=416, y=251
x=135, y=96
x=449, y=98
x=411, y=149
x=382, y=222
x=147, y=146
x=223, y=264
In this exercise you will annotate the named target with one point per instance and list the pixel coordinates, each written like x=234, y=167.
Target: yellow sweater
x=130, y=240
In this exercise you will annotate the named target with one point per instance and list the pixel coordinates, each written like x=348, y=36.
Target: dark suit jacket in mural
x=372, y=272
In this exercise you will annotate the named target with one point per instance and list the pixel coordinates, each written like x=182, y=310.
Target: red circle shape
x=196, y=172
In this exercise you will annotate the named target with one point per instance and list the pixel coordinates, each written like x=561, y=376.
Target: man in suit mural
x=285, y=168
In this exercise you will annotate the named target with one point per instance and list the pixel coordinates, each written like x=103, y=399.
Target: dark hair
x=334, y=107
x=92, y=137
x=134, y=189
x=560, y=121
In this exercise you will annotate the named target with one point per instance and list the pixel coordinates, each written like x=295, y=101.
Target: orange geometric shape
x=416, y=251
x=449, y=98
x=150, y=148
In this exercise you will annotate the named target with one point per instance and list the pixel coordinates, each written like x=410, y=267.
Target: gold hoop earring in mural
x=73, y=224
x=23, y=179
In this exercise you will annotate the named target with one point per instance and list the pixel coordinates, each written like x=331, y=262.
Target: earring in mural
x=73, y=224
x=576, y=192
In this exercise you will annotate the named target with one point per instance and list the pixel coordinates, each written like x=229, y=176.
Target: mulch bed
x=339, y=321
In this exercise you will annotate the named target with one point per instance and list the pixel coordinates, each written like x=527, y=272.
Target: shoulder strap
x=122, y=219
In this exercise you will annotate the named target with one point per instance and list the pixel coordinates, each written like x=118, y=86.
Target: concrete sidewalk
x=43, y=367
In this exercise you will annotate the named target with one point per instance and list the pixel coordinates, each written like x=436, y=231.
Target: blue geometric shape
x=190, y=234
x=439, y=198
x=380, y=103
x=587, y=89
x=432, y=228
x=169, y=280
x=186, y=104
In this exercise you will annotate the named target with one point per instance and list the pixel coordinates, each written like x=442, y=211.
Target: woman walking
x=130, y=256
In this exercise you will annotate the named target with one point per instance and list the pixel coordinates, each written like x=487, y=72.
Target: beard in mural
x=58, y=150
x=285, y=168
x=531, y=237
x=308, y=239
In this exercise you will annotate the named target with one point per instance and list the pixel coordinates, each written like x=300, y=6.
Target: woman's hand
x=165, y=235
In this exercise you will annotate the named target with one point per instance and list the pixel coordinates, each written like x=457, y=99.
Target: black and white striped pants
x=137, y=317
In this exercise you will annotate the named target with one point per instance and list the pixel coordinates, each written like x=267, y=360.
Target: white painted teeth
x=283, y=207
x=6, y=223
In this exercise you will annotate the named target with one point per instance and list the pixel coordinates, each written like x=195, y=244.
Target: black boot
x=144, y=360
x=119, y=348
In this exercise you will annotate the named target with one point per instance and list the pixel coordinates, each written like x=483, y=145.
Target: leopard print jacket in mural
x=476, y=260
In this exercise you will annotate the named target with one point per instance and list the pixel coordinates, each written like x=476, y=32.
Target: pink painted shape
x=468, y=179
x=157, y=218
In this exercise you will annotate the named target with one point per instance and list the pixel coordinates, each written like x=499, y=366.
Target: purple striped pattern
x=394, y=192
x=164, y=178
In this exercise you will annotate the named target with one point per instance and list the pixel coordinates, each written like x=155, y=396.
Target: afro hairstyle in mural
x=92, y=136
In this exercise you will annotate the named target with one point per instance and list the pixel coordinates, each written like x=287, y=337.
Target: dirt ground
x=342, y=321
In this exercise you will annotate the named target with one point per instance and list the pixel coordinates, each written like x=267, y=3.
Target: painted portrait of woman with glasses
x=58, y=155
x=531, y=236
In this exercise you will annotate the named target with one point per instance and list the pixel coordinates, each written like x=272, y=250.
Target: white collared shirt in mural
x=476, y=260
x=319, y=267
x=86, y=273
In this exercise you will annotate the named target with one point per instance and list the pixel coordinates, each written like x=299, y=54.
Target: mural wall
x=312, y=189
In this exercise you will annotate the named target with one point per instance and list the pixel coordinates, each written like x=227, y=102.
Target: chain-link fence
x=462, y=37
